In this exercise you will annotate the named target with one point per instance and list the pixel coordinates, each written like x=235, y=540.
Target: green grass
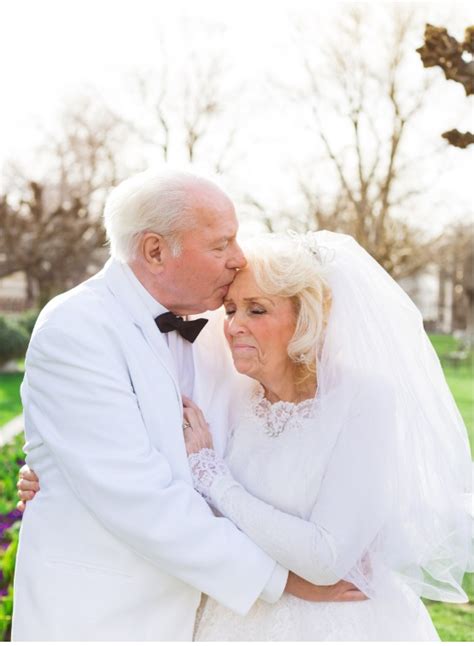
x=460, y=380
x=455, y=622
x=10, y=403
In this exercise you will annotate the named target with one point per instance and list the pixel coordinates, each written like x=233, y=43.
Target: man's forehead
x=217, y=221
x=205, y=195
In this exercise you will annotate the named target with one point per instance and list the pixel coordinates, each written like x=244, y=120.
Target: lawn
x=454, y=622
x=460, y=379
x=10, y=403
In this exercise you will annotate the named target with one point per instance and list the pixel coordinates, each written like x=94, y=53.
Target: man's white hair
x=153, y=200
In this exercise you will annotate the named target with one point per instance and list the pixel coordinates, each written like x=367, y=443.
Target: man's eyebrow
x=221, y=239
x=227, y=235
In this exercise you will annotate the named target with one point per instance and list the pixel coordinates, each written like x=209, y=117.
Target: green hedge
x=13, y=340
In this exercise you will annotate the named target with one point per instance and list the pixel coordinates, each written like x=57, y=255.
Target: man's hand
x=27, y=486
x=340, y=591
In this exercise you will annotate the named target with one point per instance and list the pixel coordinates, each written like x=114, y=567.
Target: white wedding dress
x=276, y=461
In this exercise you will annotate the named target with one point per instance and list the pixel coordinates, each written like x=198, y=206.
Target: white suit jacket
x=117, y=544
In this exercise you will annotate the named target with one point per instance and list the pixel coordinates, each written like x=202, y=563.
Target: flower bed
x=11, y=460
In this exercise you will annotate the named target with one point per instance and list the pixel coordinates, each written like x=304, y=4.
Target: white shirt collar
x=153, y=306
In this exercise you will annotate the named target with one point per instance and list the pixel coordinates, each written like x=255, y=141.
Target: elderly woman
x=349, y=459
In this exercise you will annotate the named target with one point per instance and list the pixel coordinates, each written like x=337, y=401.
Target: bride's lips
x=242, y=347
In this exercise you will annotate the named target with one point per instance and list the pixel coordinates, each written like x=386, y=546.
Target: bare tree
x=440, y=49
x=84, y=157
x=456, y=261
x=180, y=103
x=53, y=247
x=360, y=114
x=50, y=228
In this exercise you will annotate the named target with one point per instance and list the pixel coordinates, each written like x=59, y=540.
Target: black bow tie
x=189, y=330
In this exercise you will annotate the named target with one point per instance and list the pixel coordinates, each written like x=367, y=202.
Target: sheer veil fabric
x=404, y=478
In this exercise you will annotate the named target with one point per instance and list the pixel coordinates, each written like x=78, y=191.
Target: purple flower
x=6, y=521
x=14, y=515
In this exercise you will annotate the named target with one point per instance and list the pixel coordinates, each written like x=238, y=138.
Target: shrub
x=13, y=340
x=27, y=320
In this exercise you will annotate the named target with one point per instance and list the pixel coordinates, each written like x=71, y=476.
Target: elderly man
x=117, y=545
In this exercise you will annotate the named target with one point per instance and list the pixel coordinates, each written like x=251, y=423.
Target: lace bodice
x=280, y=416
x=266, y=435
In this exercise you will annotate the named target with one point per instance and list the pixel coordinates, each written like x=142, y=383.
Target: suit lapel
x=121, y=287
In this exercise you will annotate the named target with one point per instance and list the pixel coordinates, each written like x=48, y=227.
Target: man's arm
x=28, y=486
x=79, y=397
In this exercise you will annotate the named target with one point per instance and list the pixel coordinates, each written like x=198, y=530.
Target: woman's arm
x=350, y=505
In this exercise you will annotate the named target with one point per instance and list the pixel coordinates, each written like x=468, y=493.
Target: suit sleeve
x=78, y=395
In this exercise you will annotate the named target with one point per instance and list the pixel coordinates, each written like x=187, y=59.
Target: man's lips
x=225, y=288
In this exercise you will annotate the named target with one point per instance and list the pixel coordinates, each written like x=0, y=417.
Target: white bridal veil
x=399, y=464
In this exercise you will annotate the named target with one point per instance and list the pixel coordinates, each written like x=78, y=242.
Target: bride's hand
x=340, y=591
x=195, y=428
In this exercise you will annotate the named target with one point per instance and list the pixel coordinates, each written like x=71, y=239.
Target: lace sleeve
x=207, y=469
x=296, y=544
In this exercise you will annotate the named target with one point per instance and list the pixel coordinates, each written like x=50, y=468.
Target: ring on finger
x=186, y=425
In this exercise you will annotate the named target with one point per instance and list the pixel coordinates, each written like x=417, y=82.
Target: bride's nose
x=236, y=324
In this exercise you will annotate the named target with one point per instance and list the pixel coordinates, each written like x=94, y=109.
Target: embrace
x=291, y=467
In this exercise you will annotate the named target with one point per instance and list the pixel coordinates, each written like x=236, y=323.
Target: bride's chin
x=244, y=367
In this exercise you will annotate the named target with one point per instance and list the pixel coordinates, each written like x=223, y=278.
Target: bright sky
x=50, y=49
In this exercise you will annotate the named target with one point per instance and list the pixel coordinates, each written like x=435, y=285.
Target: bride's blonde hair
x=284, y=266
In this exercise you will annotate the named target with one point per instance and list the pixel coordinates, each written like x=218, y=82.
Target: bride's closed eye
x=253, y=310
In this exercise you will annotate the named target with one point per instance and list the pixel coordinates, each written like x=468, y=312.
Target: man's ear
x=154, y=251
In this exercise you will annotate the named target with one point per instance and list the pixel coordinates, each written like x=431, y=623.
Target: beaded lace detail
x=206, y=467
x=281, y=415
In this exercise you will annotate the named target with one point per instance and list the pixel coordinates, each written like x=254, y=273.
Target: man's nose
x=237, y=260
